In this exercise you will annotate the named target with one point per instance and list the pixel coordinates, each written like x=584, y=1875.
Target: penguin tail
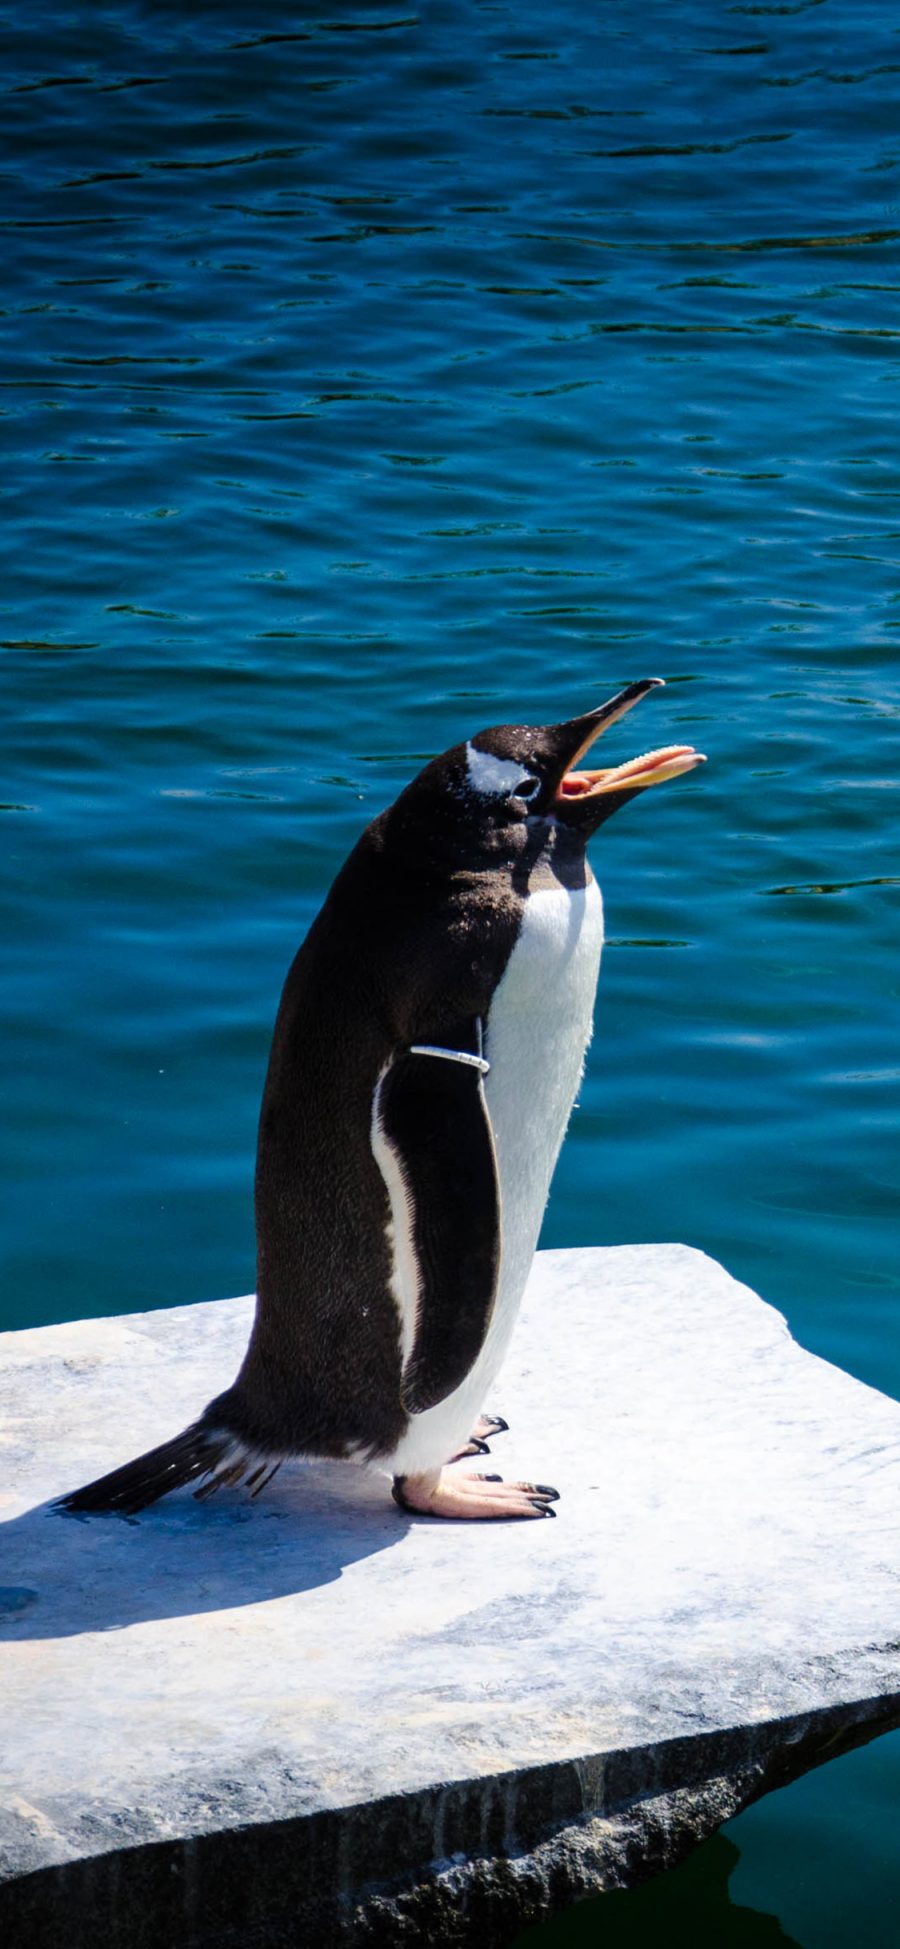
x=211, y=1456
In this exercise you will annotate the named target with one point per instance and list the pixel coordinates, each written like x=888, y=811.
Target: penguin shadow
x=61, y=1575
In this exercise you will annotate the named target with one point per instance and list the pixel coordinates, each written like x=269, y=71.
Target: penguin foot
x=487, y=1425
x=477, y=1498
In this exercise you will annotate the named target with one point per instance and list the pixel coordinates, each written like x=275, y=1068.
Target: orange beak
x=586, y=798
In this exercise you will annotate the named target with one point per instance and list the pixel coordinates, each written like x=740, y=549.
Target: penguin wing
x=435, y=1147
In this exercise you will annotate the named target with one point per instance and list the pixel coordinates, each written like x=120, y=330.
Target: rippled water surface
x=370, y=375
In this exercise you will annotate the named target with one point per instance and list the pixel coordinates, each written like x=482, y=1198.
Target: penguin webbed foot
x=473, y=1498
x=486, y=1428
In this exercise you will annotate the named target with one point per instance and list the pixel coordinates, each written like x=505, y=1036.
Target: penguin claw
x=474, y=1446
x=489, y=1424
x=473, y=1498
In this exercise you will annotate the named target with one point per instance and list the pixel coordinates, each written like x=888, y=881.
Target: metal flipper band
x=451, y=1055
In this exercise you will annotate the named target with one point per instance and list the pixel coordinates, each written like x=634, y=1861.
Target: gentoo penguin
x=426, y=1055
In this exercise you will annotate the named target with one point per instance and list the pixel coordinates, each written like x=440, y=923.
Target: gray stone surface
x=311, y=1718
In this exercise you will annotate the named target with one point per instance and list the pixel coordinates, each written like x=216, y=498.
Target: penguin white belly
x=536, y=1035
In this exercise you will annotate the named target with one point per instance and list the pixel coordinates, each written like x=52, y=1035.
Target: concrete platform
x=311, y=1719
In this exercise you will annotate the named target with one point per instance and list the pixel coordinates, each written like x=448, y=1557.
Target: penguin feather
x=209, y=1456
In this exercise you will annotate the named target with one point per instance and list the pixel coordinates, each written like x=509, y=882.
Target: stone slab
x=312, y=1718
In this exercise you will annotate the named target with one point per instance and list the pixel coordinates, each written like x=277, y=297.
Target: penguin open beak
x=586, y=798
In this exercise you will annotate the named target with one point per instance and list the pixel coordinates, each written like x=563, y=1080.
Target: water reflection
x=688, y=1908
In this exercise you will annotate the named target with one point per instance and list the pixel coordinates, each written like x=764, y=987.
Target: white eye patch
x=493, y=777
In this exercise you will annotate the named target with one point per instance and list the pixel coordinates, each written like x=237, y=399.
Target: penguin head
x=506, y=782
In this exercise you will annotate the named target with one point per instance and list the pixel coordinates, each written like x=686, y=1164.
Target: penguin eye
x=528, y=789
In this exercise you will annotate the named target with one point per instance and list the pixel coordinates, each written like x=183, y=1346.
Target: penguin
x=426, y=1055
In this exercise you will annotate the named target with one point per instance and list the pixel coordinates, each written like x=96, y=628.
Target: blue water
x=370, y=375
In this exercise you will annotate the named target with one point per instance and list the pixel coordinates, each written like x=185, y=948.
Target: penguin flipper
x=433, y=1117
